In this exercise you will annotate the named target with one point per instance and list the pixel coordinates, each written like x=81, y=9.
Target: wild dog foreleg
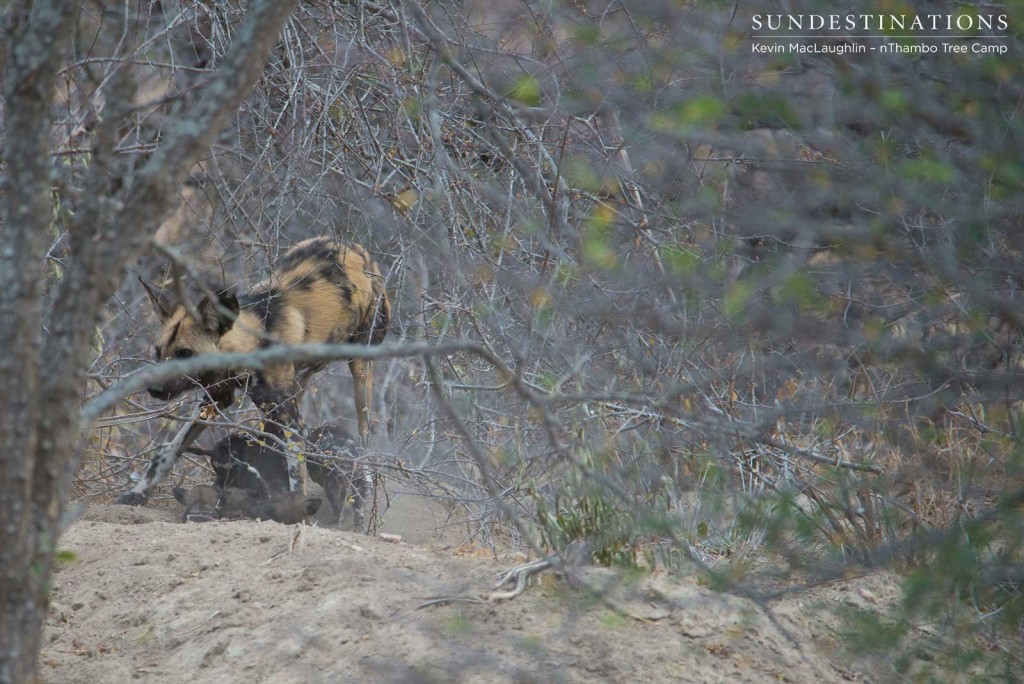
x=276, y=398
x=164, y=460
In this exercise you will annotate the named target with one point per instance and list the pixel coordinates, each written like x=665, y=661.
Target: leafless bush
x=726, y=299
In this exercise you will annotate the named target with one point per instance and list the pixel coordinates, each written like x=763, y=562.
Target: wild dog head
x=289, y=508
x=200, y=503
x=182, y=336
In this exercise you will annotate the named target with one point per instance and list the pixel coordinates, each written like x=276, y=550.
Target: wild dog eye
x=184, y=354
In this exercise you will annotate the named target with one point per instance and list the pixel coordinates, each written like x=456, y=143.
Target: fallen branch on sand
x=575, y=554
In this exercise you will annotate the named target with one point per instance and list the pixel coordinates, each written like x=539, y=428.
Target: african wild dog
x=322, y=291
x=206, y=503
x=239, y=460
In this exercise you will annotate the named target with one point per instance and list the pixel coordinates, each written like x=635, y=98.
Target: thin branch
x=266, y=358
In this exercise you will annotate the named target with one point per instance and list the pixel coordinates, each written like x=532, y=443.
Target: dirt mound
x=258, y=601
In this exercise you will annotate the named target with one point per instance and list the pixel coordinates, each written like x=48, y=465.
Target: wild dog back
x=321, y=291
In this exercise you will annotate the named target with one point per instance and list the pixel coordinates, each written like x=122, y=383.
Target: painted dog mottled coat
x=322, y=291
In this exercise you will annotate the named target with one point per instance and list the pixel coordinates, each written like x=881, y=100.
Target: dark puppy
x=205, y=503
x=239, y=461
x=200, y=503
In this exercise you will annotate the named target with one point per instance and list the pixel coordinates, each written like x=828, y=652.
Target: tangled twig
x=520, y=575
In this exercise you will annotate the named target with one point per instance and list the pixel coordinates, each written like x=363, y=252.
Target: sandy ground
x=144, y=598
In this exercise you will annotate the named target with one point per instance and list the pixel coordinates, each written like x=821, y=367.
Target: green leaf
x=680, y=260
x=597, y=250
x=736, y=299
x=800, y=290
x=66, y=556
x=526, y=90
x=700, y=112
x=927, y=170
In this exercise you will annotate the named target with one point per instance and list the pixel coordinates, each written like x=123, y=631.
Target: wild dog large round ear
x=162, y=300
x=228, y=300
x=220, y=317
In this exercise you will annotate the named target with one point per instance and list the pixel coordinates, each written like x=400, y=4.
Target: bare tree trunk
x=34, y=33
x=41, y=376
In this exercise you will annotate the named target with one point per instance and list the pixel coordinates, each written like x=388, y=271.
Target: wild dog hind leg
x=362, y=380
